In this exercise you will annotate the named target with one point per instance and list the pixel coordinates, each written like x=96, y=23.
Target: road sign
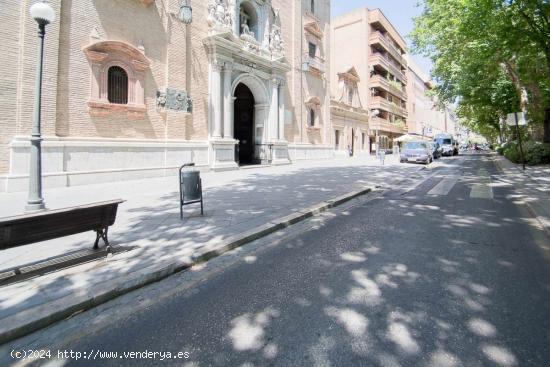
x=517, y=117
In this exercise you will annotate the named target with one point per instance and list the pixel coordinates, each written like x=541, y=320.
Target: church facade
x=132, y=91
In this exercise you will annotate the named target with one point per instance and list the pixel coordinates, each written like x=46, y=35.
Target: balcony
x=379, y=38
x=378, y=81
x=377, y=58
x=383, y=104
x=380, y=124
x=380, y=103
x=316, y=65
x=377, y=17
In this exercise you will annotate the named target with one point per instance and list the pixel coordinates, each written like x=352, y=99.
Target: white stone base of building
x=81, y=161
x=222, y=155
x=84, y=161
x=297, y=152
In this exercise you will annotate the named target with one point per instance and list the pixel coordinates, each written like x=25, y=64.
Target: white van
x=447, y=144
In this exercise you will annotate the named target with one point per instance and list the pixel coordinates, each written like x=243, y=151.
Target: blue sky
x=399, y=12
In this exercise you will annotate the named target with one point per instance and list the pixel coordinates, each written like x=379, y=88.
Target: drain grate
x=43, y=267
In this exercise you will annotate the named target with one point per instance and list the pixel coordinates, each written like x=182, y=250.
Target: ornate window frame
x=313, y=104
x=102, y=56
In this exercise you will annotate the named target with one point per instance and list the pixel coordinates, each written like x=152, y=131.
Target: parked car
x=436, y=150
x=448, y=144
x=417, y=152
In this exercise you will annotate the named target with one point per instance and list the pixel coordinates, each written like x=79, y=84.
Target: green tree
x=490, y=56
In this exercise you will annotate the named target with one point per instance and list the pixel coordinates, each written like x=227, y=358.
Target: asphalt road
x=448, y=274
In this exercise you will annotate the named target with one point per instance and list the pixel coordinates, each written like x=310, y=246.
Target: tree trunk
x=546, y=138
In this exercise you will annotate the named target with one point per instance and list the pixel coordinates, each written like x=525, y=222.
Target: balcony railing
x=383, y=104
x=381, y=124
x=316, y=64
x=376, y=16
x=378, y=81
x=379, y=59
x=380, y=103
x=378, y=37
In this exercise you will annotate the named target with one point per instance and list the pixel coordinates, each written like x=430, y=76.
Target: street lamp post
x=43, y=14
x=375, y=113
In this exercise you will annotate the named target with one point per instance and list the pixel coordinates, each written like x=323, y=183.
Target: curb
x=36, y=318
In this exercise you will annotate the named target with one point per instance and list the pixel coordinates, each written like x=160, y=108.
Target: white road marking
x=444, y=187
x=482, y=189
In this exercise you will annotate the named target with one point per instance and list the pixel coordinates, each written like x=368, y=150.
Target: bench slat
x=47, y=225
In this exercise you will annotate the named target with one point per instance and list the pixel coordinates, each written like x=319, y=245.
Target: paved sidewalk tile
x=532, y=187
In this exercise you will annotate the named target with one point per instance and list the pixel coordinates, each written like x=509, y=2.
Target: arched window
x=117, y=89
x=118, y=79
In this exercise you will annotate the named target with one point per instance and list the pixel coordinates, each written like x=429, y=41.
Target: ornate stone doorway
x=244, y=125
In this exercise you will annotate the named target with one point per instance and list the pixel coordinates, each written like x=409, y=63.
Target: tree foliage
x=492, y=57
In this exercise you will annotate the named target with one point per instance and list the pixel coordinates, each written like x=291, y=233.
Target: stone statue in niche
x=246, y=30
x=276, y=43
x=218, y=14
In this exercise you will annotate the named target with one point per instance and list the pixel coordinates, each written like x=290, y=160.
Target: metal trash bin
x=190, y=187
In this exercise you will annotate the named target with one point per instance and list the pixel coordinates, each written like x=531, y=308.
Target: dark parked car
x=437, y=152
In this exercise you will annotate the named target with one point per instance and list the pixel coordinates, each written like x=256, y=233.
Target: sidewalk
x=240, y=206
x=532, y=186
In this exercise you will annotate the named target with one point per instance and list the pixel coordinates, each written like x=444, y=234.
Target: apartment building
x=426, y=117
x=365, y=40
x=132, y=91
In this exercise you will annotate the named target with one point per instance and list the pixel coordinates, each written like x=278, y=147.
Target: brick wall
x=178, y=60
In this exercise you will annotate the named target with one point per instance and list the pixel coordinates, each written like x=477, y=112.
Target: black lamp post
x=43, y=14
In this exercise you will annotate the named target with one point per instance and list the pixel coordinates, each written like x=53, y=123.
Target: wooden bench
x=50, y=224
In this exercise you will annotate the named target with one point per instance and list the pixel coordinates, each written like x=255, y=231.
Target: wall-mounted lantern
x=186, y=12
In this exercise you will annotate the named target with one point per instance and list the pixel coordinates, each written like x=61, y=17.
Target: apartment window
x=117, y=90
x=312, y=6
x=336, y=139
x=311, y=117
x=312, y=49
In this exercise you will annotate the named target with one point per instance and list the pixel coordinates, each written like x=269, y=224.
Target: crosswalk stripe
x=481, y=191
x=444, y=187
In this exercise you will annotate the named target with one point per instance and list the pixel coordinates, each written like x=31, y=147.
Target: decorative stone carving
x=219, y=17
x=161, y=99
x=175, y=100
x=276, y=41
x=276, y=44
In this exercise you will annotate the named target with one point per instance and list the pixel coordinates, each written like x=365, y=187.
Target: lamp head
x=42, y=12
x=186, y=13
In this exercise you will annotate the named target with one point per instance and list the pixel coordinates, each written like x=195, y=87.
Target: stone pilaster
x=228, y=101
x=215, y=99
x=281, y=113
